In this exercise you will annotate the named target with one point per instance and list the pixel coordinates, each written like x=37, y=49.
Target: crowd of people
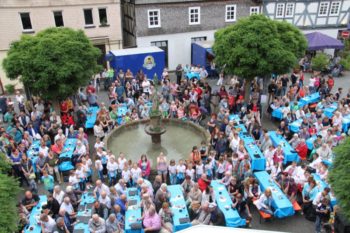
x=225, y=158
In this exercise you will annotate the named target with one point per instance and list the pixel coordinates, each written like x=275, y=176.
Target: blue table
x=87, y=198
x=33, y=149
x=310, y=142
x=321, y=184
x=295, y=125
x=257, y=158
x=277, y=113
x=91, y=117
x=82, y=226
x=178, y=207
x=346, y=123
x=224, y=202
x=290, y=154
x=281, y=204
x=192, y=75
x=313, y=98
x=122, y=110
x=234, y=117
x=34, y=217
x=68, y=148
x=133, y=213
x=329, y=111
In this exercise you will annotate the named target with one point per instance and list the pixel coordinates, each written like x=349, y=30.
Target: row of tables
x=290, y=154
x=224, y=203
x=34, y=217
x=133, y=213
x=258, y=160
x=280, y=202
x=313, y=98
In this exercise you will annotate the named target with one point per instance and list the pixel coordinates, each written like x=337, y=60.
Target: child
x=180, y=169
x=81, y=175
x=221, y=80
x=48, y=181
x=209, y=169
x=190, y=171
x=32, y=184
x=136, y=173
x=87, y=163
x=221, y=168
x=172, y=172
x=73, y=180
x=199, y=169
x=99, y=168
x=173, y=109
x=99, y=144
x=126, y=175
x=112, y=167
x=203, y=151
x=181, y=112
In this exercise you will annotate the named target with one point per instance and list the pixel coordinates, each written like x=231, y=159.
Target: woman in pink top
x=152, y=221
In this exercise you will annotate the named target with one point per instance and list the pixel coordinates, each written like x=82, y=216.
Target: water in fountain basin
x=177, y=143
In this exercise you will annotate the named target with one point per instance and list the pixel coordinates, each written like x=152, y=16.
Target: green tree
x=339, y=178
x=9, y=191
x=319, y=62
x=54, y=63
x=258, y=46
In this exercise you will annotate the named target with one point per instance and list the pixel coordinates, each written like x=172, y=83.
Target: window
x=102, y=14
x=280, y=10
x=58, y=18
x=323, y=10
x=201, y=38
x=164, y=46
x=88, y=17
x=26, y=23
x=153, y=18
x=254, y=10
x=194, y=16
x=335, y=7
x=289, y=10
x=230, y=15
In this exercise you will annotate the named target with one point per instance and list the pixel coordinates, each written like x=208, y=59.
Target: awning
x=210, y=51
x=319, y=41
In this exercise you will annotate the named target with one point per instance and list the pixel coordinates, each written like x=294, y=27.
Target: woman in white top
x=146, y=86
x=264, y=203
x=98, y=130
x=121, y=161
x=136, y=173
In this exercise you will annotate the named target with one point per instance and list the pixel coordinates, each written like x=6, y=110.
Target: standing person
x=322, y=214
x=162, y=166
x=48, y=181
x=178, y=73
x=145, y=166
x=271, y=90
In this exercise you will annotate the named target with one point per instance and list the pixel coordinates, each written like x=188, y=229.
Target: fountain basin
x=178, y=138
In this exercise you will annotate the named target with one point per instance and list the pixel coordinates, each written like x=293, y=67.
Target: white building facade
x=328, y=17
x=99, y=19
x=173, y=25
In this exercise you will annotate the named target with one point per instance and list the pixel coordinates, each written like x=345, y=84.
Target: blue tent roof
x=319, y=41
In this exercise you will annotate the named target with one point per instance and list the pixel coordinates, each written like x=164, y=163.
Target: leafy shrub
x=319, y=62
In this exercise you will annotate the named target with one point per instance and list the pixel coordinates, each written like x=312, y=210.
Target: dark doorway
x=101, y=60
x=164, y=46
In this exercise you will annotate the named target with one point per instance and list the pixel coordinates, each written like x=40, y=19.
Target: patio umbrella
x=319, y=41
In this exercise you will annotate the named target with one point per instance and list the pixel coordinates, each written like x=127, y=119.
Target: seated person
x=97, y=224
x=233, y=187
x=30, y=200
x=194, y=197
x=166, y=216
x=112, y=224
x=264, y=203
x=162, y=196
x=226, y=179
x=187, y=185
x=309, y=192
x=194, y=112
x=203, y=182
x=204, y=215
x=151, y=221
x=100, y=209
x=217, y=218
x=242, y=208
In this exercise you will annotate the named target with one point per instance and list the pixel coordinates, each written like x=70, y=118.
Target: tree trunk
x=247, y=82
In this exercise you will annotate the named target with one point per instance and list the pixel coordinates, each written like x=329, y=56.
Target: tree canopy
x=258, y=46
x=54, y=63
x=339, y=177
x=9, y=190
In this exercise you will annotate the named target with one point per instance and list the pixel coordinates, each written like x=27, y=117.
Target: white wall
x=179, y=45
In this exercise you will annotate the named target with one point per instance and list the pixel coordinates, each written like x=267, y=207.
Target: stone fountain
x=155, y=127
